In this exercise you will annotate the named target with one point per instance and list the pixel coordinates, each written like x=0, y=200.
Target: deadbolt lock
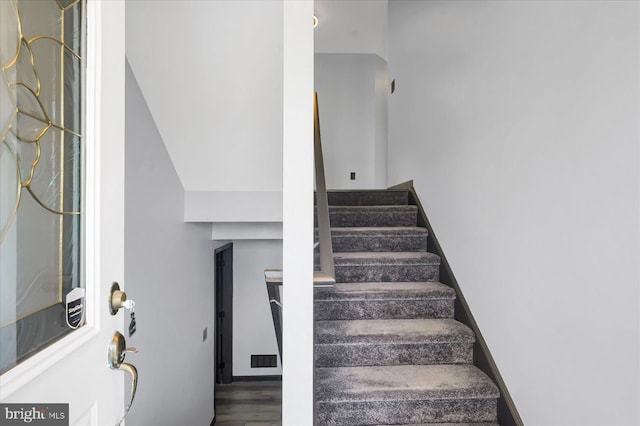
x=118, y=299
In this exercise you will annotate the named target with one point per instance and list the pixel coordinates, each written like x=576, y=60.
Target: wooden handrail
x=327, y=269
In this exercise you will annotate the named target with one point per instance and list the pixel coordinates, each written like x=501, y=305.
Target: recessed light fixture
x=315, y=20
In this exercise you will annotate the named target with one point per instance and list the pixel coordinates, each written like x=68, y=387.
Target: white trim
x=92, y=165
x=246, y=231
x=26, y=371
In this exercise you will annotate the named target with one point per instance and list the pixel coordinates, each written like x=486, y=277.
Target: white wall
x=518, y=122
x=352, y=99
x=169, y=273
x=253, y=332
x=233, y=206
x=352, y=26
x=211, y=72
x=297, y=212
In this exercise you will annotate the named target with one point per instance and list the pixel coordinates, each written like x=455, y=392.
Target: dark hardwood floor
x=256, y=403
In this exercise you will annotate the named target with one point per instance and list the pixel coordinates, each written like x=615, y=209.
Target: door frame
x=224, y=311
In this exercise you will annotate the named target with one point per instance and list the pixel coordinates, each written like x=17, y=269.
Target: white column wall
x=297, y=371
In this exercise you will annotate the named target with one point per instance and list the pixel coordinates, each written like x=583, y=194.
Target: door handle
x=117, y=352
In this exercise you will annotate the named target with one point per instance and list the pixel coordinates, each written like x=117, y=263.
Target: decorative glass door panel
x=41, y=127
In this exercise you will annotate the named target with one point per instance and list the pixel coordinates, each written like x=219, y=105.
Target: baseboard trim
x=404, y=185
x=257, y=378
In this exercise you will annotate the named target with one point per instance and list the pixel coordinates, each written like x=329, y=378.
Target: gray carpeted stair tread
x=372, y=216
x=386, y=347
x=392, y=331
x=447, y=424
x=354, y=267
x=404, y=394
x=378, y=231
x=386, y=291
x=385, y=258
x=379, y=239
x=392, y=342
x=373, y=209
x=368, y=197
x=403, y=382
x=371, y=300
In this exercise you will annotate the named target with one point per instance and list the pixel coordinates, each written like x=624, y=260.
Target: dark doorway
x=224, y=316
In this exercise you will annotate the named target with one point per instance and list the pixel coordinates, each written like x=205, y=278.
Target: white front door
x=74, y=369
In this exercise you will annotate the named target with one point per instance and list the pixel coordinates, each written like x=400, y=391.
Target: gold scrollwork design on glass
x=30, y=114
x=42, y=44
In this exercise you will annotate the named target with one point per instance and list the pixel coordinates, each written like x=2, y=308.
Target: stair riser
x=385, y=273
x=409, y=412
x=370, y=218
x=344, y=244
x=383, y=309
x=338, y=355
x=368, y=198
x=450, y=424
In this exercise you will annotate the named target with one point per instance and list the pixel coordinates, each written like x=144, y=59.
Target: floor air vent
x=263, y=361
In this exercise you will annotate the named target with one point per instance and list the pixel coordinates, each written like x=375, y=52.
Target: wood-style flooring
x=256, y=403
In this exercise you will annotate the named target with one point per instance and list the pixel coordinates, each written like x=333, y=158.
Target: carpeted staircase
x=387, y=349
